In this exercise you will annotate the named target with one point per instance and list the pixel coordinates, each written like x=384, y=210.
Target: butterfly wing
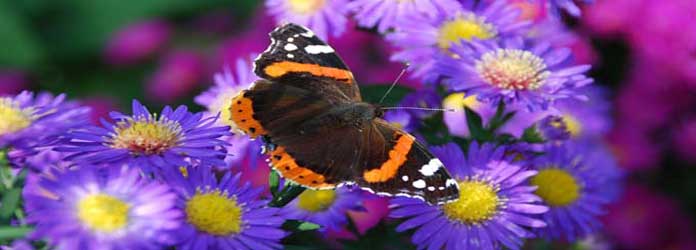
x=280, y=112
x=296, y=54
x=396, y=164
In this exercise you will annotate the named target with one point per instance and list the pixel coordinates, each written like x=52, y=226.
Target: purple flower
x=401, y=119
x=555, y=6
x=553, y=128
x=92, y=208
x=173, y=138
x=31, y=123
x=576, y=180
x=513, y=71
x=222, y=214
x=495, y=208
x=218, y=99
x=327, y=18
x=386, y=14
x=423, y=98
x=326, y=208
x=13, y=81
x=589, y=118
x=421, y=38
x=137, y=42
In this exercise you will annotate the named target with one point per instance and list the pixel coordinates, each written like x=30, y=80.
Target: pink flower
x=177, y=76
x=137, y=42
x=646, y=220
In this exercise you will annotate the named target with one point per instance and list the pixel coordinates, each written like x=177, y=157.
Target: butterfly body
x=319, y=131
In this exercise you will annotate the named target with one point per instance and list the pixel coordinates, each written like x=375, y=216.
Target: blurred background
x=164, y=52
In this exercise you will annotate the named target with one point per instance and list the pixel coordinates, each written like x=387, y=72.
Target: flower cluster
x=522, y=137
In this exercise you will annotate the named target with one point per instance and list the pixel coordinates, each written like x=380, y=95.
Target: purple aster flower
x=553, y=128
x=496, y=208
x=326, y=208
x=421, y=38
x=224, y=214
x=31, y=123
x=576, y=181
x=423, y=98
x=325, y=17
x=555, y=6
x=589, y=118
x=218, y=99
x=386, y=14
x=514, y=71
x=107, y=208
x=456, y=120
x=173, y=138
x=402, y=119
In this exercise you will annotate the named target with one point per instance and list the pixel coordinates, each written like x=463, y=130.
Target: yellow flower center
x=478, y=202
x=572, y=125
x=460, y=100
x=103, y=212
x=306, y=7
x=214, y=213
x=316, y=200
x=13, y=118
x=146, y=136
x=464, y=27
x=556, y=186
x=512, y=69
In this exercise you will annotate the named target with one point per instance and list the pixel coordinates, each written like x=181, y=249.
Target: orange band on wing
x=282, y=162
x=279, y=69
x=242, y=115
x=397, y=158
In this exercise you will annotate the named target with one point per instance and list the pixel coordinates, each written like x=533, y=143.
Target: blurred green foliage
x=59, y=43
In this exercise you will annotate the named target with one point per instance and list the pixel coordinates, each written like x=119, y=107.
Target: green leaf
x=434, y=130
x=20, y=46
x=273, y=182
x=306, y=226
x=11, y=232
x=289, y=193
x=532, y=135
x=372, y=94
x=10, y=202
x=475, y=124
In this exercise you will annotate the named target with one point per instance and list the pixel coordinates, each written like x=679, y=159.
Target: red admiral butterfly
x=308, y=108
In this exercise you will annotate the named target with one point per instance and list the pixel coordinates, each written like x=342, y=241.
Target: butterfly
x=320, y=134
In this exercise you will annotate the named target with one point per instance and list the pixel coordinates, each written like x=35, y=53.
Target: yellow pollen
x=103, y=212
x=478, y=202
x=13, y=118
x=306, y=7
x=512, y=69
x=556, y=186
x=183, y=171
x=146, y=136
x=214, y=213
x=464, y=27
x=572, y=125
x=316, y=200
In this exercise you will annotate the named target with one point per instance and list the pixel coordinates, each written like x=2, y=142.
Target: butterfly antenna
x=418, y=108
x=403, y=71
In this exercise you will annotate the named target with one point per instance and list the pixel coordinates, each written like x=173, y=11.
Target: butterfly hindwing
x=398, y=165
x=296, y=54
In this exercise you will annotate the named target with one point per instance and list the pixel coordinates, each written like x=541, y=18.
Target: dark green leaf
x=434, y=130
x=289, y=193
x=475, y=124
x=372, y=94
x=531, y=135
x=11, y=232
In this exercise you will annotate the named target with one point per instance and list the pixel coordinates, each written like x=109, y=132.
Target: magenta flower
x=137, y=42
x=178, y=74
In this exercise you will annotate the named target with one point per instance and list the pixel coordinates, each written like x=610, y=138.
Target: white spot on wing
x=420, y=184
x=291, y=56
x=432, y=167
x=450, y=182
x=290, y=39
x=290, y=47
x=431, y=188
x=318, y=49
x=404, y=178
x=309, y=33
x=441, y=188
